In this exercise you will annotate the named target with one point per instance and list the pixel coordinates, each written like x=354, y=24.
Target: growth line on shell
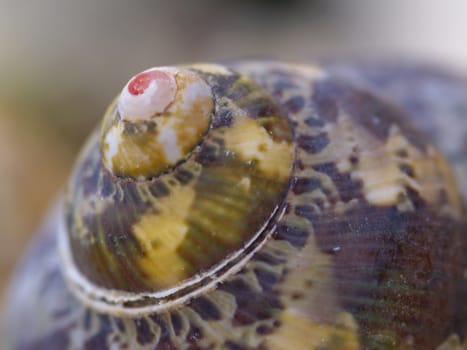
x=113, y=301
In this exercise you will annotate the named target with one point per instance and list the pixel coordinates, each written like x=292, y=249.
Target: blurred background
x=62, y=61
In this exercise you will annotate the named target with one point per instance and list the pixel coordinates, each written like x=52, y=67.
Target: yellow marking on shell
x=146, y=149
x=251, y=142
x=379, y=166
x=160, y=235
x=311, y=274
x=297, y=332
x=384, y=182
x=316, y=284
x=315, y=319
x=429, y=169
x=134, y=155
x=245, y=184
x=453, y=342
x=431, y=174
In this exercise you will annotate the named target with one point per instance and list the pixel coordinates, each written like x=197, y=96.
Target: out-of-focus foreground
x=61, y=62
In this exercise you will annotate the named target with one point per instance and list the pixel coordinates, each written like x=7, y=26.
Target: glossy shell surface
x=136, y=245
x=312, y=214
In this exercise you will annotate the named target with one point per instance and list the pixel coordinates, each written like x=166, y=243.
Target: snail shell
x=257, y=205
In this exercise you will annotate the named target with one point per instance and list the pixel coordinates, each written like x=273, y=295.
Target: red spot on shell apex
x=141, y=81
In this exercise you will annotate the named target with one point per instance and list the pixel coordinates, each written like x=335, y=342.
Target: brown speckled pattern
x=340, y=271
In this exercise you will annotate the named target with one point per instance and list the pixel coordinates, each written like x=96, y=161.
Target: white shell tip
x=147, y=94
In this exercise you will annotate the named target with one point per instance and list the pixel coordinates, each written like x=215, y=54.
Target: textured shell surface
x=259, y=205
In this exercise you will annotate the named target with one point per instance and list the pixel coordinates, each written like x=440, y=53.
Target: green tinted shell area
x=147, y=235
